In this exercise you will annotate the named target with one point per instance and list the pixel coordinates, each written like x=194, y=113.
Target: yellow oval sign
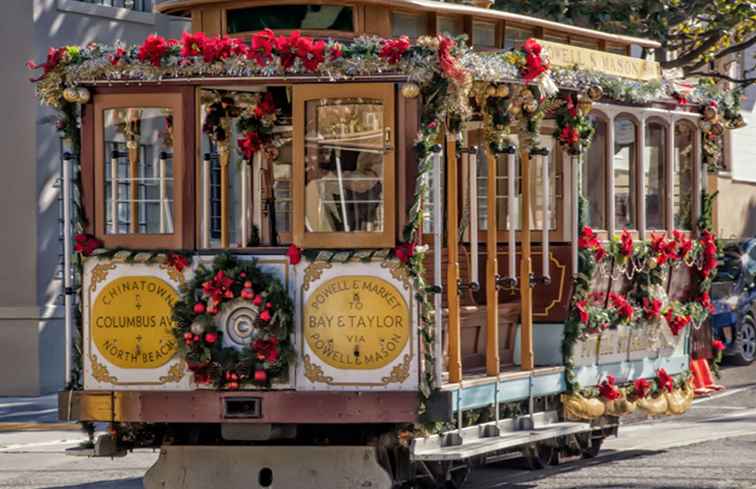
x=356, y=322
x=131, y=322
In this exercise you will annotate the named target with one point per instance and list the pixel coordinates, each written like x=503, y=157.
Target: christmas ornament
x=410, y=90
x=502, y=91
x=70, y=94
x=82, y=95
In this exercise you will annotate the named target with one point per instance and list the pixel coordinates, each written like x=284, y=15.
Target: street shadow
x=133, y=483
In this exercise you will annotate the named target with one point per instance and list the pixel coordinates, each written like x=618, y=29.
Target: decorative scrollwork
x=400, y=372
x=399, y=272
x=314, y=373
x=175, y=374
x=313, y=272
x=99, y=274
x=173, y=273
x=100, y=372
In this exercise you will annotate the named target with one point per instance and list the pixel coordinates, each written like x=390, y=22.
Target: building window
x=514, y=37
x=623, y=166
x=405, y=24
x=138, y=5
x=344, y=165
x=683, y=193
x=594, y=176
x=451, y=26
x=484, y=34
x=290, y=17
x=654, y=174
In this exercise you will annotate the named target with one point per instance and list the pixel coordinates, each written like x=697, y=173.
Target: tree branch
x=725, y=52
x=740, y=81
x=693, y=54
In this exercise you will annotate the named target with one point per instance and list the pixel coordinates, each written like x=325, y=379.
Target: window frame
x=357, y=18
x=667, y=220
x=182, y=222
x=337, y=240
x=608, y=180
x=636, y=186
x=696, y=172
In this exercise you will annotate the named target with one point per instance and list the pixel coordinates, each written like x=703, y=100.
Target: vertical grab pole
x=163, y=192
x=244, y=202
x=206, y=201
x=133, y=150
x=223, y=156
x=574, y=164
x=114, y=192
x=511, y=212
x=545, y=269
x=438, y=229
x=67, y=278
x=493, y=361
x=526, y=267
x=473, y=192
x=452, y=276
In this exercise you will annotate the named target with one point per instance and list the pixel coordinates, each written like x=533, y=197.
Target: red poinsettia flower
x=294, y=254
x=571, y=106
x=261, y=50
x=336, y=51
x=665, y=380
x=626, y=243
x=449, y=65
x=623, y=307
x=681, y=100
x=652, y=308
x=117, y=56
x=676, y=322
x=266, y=106
x=705, y=301
x=179, y=262
x=192, y=44
x=717, y=345
x=86, y=244
x=534, y=64
x=392, y=50
x=54, y=57
x=286, y=47
x=220, y=48
x=312, y=53
x=684, y=244
x=582, y=308
x=641, y=387
x=249, y=144
x=608, y=390
x=569, y=135
x=266, y=350
x=217, y=289
x=588, y=240
x=153, y=49
x=405, y=251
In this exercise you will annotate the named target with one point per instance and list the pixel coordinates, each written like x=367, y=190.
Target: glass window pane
x=623, y=165
x=289, y=17
x=344, y=153
x=451, y=26
x=412, y=25
x=536, y=186
x=682, y=198
x=282, y=196
x=484, y=35
x=653, y=175
x=514, y=37
x=594, y=176
x=138, y=170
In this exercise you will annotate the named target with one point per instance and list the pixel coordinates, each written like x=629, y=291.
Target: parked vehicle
x=734, y=297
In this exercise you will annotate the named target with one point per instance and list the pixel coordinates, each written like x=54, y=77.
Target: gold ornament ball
x=490, y=91
x=595, y=92
x=585, y=105
x=526, y=94
x=514, y=109
x=82, y=95
x=709, y=113
x=70, y=94
x=410, y=90
x=651, y=263
x=197, y=328
x=502, y=91
x=530, y=106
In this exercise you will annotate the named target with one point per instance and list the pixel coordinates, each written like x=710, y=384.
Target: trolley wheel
x=594, y=447
x=539, y=455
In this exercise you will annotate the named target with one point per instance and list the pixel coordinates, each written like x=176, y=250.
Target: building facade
x=31, y=312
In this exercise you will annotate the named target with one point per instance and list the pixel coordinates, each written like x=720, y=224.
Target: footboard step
x=477, y=440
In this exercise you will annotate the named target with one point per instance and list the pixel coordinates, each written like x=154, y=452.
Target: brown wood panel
x=408, y=112
x=188, y=224
x=206, y=406
x=212, y=21
x=377, y=20
x=87, y=166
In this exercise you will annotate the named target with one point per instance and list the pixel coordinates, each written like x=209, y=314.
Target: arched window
x=685, y=154
x=594, y=175
x=653, y=174
x=623, y=166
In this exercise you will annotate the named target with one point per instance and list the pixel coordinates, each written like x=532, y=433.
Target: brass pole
x=493, y=361
x=223, y=158
x=452, y=278
x=526, y=292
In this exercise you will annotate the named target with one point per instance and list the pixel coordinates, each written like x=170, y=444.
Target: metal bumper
x=238, y=407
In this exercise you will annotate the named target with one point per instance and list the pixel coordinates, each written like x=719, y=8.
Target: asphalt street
x=712, y=446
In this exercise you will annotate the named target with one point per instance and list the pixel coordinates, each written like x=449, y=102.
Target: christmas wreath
x=233, y=325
